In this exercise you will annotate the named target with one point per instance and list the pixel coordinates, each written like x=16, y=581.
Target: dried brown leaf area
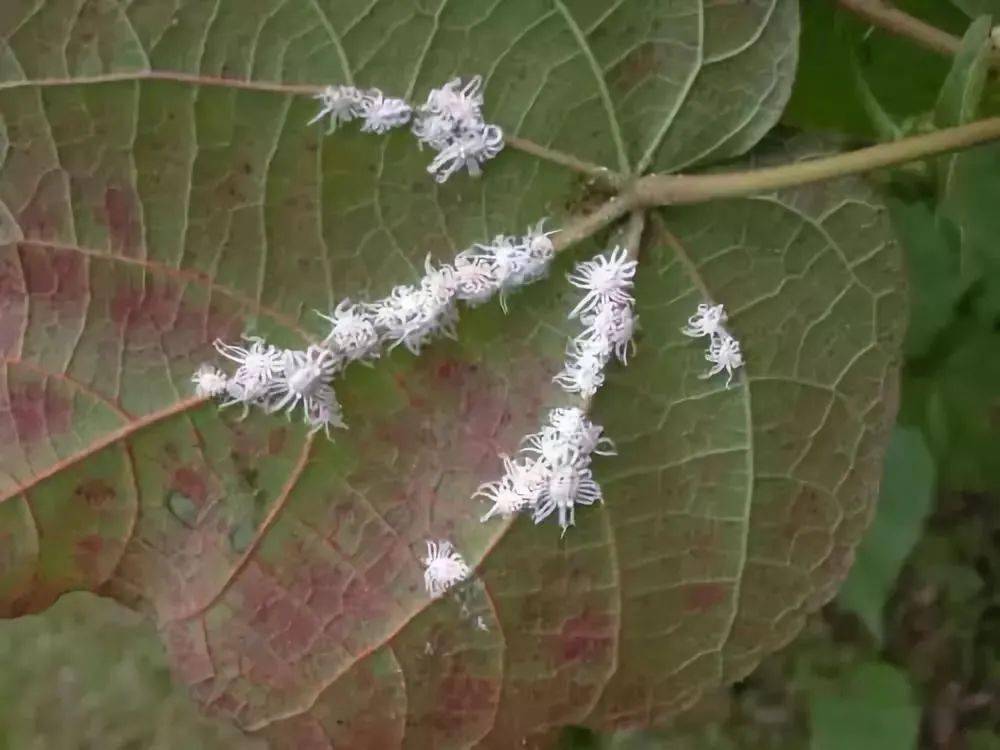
x=159, y=187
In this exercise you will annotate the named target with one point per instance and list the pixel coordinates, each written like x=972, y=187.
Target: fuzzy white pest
x=411, y=314
x=725, y=355
x=444, y=568
x=469, y=150
x=257, y=362
x=707, y=321
x=610, y=326
x=570, y=484
x=382, y=113
x=304, y=378
x=209, y=381
x=352, y=332
x=584, y=369
x=340, y=104
x=604, y=278
x=572, y=426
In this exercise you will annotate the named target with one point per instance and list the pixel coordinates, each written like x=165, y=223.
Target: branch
x=663, y=190
x=893, y=20
x=602, y=175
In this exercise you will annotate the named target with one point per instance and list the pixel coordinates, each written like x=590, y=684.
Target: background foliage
x=906, y=648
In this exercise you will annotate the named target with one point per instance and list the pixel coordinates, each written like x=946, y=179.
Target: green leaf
x=162, y=188
x=837, y=47
x=976, y=8
x=905, y=499
x=968, y=203
x=874, y=707
x=954, y=399
x=936, y=283
x=958, y=101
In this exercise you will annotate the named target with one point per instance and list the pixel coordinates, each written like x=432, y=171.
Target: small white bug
x=506, y=500
x=724, y=354
x=305, y=378
x=257, y=362
x=569, y=485
x=611, y=326
x=604, y=278
x=209, y=381
x=468, y=149
x=340, y=103
x=352, y=333
x=572, y=425
x=382, y=113
x=707, y=321
x=475, y=278
x=445, y=567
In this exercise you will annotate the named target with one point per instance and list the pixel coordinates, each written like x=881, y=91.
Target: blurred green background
x=908, y=655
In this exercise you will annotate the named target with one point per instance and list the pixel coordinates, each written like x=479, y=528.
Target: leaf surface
x=161, y=188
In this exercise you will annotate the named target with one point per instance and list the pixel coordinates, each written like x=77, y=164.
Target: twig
x=886, y=16
x=607, y=177
x=662, y=190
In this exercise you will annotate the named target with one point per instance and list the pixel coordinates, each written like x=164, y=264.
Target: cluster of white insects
x=552, y=474
x=411, y=314
x=450, y=122
x=723, y=350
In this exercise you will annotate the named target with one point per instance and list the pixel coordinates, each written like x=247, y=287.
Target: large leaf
x=161, y=188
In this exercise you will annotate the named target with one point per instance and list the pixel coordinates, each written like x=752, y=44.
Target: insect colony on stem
x=552, y=473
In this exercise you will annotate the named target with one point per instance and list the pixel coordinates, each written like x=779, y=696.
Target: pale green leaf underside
x=283, y=572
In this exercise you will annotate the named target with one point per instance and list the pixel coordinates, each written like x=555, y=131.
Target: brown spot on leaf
x=38, y=412
x=96, y=493
x=87, y=553
x=191, y=484
x=585, y=637
x=122, y=216
x=699, y=597
x=462, y=694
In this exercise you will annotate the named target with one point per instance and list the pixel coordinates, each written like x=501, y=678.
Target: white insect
x=506, y=500
x=584, y=369
x=209, y=381
x=539, y=243
x=438, y=283
x=322, y=414
x=724, y=354
x=382, y=113
x=605, y=278
x=707, y=321
x=475, y=278
x=569, y=485
x=610, y=326
x=571, y=425
x=445, y=567
x=251, y=393
x=257, y=362
x=352, y=333
x=469, y=149
x=339, y=103
x=305, y=377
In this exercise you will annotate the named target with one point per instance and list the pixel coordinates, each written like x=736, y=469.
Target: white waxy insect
x=305, y=378
x=339, y=103
x=383, y=113
x=604, y=278
x=569, y=485
x=707, y=321
x=352, y=332
x=725, y=355
x=209, y=381
x=257, y=362
x=445, y=568
x=610, y=326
